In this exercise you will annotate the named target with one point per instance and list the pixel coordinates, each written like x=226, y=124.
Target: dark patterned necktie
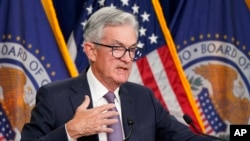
x=116, y=135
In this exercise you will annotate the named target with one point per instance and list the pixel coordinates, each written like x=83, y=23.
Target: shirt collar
x=97, y=89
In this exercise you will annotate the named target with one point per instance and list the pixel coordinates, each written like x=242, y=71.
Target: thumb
x=85, y=103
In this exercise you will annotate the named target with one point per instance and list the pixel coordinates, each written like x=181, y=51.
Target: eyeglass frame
x=113, y=47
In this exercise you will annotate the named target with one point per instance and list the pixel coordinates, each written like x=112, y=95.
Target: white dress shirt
x=97, y=91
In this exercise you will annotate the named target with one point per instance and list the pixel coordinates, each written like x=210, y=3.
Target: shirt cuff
x=69, y=138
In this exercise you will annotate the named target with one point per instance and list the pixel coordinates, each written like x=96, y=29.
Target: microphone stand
x=189, y=121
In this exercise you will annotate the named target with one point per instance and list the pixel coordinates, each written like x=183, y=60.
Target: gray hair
x=104, y=17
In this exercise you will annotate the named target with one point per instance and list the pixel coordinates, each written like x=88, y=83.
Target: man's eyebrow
x=121, y=44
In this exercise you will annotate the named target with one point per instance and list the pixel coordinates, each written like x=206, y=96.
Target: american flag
x=6, y=131
x=158, y=67
x=211, y=119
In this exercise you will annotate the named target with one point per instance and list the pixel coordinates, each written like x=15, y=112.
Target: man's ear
x=90, y=50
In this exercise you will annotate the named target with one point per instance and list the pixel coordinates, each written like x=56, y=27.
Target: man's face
x=109, y=70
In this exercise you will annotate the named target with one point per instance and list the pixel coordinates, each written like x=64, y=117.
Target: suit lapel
x=128, y=109
x=80, y=87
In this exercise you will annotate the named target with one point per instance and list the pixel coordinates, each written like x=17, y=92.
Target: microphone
x=189, y=121
x=131, y=125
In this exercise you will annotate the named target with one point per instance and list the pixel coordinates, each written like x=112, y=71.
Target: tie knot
x=110, y=97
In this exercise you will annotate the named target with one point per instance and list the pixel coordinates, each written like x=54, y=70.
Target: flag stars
x=208, y=35
x=101, y=3
x=201, y=37
x=138, y=53
x=178, y=47
x=18, y=38
x=225, y=37
x=192, y=39
x=5, y=125
x=3, y=129
x=212, y=122
x=153, y=39
x=237, y=43
x=210, y=107
x=233, y=39
x=37, y=51
x=135, y=9
x=244, y=47
x=145, y=17
x=48, y=65
x=124, y=2
x=184, y=42
x=24, y=41
x=208, y=116
x=43, y=58
x=83, y=24
x=112, y=5
x=140, y=44
x=203, y=104
x=207, y=100
x=9, y=36
x=215, y=127
x=217, y=36
x=29, y=46
x=142, y=31
x=53, y=73
x=210, y=113
x=89, y=9
x=205, y=109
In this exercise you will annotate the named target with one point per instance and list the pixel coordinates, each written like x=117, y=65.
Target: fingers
x=102, y=108
x=94, y=120
x=108, y=122
x=109, y=114
x=106, y=130
x=106, y=125
x=105, y=107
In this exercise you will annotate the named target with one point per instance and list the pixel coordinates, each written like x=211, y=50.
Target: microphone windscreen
x=130, y=122
x=187, y=119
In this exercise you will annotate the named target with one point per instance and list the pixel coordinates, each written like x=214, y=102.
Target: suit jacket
x=56, y=104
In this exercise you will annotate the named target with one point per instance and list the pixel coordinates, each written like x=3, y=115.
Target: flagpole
x=173, y=52
x=50, y=12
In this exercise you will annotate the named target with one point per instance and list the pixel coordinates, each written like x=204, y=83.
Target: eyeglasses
x=119, y=51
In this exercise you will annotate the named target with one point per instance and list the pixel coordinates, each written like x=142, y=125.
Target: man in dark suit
x=76, y=108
